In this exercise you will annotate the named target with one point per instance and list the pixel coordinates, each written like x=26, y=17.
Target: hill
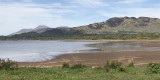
x=38, y=29
x=123, y=25
x=114, y=28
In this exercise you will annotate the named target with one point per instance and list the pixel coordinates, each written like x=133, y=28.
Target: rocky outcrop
x=114, y=22
x=96, y=25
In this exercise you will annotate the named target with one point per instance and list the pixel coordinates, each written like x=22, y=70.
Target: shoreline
x=68, y=40
x=140, y=58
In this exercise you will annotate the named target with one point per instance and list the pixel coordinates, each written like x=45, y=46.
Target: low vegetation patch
x=115, y=70
x=131, y=64
x=114, y=65
x=65, y=65
x=154, y=68
x=78, y=66
x=7, y=64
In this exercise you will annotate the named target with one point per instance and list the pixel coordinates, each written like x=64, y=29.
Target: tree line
x=73, y=34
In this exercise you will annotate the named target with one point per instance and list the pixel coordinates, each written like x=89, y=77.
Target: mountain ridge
x=38, y=29
x=123, y=24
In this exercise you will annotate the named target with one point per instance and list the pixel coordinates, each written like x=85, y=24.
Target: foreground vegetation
x=137, y=73
x=112, y=71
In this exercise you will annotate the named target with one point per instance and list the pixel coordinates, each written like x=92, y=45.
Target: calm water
x=35, y=51
x=125, y=46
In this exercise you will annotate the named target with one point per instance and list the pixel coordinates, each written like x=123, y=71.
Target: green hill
x=114, y=28
x=123, y=25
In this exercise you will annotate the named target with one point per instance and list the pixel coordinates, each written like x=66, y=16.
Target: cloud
x=19, y=14
x=16, y=16
x=26, y=0
x=91, y=3
x=130, y=1
x=133, y=12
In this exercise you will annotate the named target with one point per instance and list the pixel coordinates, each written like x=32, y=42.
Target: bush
x=115, y=65
x=65, y=65
x=121, y=68
x=154, y=67
x=78, y=66
x=7, y=64
x=131, y=64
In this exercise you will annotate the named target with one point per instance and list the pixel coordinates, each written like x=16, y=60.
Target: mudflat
x=140, y=58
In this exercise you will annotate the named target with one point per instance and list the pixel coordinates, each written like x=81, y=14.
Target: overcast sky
x=20, y=14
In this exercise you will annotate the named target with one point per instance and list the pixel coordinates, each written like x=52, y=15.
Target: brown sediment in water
x=151, y=44
x=140, y=58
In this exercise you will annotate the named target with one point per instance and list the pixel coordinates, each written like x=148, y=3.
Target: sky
x=23, y=14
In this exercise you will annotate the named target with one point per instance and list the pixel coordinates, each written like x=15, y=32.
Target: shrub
x=121, y=68
x=65, y=65
x=131, y=64
x=115, y=65
x=7, y=64
x=154, y=67
x=78, y=66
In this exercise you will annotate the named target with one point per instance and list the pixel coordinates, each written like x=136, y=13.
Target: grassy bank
x=131, y=73
x=111, y=71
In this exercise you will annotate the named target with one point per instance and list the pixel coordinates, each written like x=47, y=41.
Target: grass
x=112, y=71
x=87, y=73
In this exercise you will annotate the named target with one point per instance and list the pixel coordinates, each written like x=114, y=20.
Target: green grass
x=86, y=73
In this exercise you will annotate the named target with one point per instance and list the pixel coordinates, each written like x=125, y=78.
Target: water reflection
x=128, y=46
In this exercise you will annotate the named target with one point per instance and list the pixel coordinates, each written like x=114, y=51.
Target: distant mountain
x=63, y=27
x=21, y=31
x=123, y=25
x=39, y=29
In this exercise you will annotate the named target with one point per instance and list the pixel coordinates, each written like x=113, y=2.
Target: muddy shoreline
x=140, y=58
